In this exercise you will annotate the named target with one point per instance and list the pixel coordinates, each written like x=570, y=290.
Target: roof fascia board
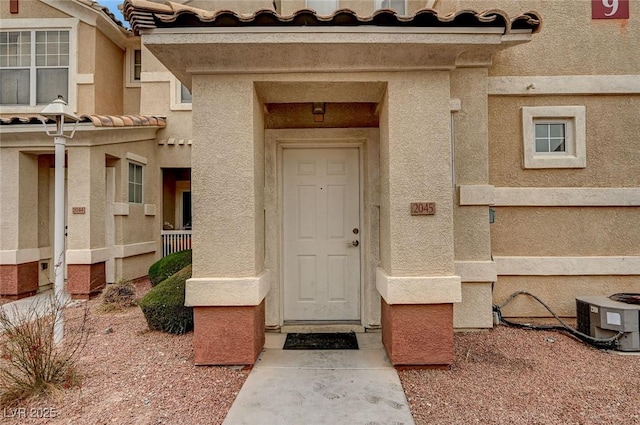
x=365, y=29
x=91, y=17
x=33, y=136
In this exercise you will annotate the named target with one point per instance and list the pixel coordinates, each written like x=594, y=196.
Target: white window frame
x=54, y=24
x=574, y=119
x=140, y=161
x=378, y=6
x=130, y=63
x=335, y=5
x=182, y=186
x=176, y=96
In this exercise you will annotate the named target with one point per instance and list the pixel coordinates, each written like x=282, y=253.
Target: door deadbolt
x=355, y=231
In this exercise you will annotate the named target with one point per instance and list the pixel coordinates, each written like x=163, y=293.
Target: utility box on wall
x=601, y=317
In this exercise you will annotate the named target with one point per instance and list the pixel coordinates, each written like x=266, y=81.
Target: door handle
x=354, y=243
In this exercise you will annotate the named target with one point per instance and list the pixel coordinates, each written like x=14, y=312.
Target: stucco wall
x=612, y=142
x=574, y=43
x=569, y=231
x=108, y=76
x=29, y=10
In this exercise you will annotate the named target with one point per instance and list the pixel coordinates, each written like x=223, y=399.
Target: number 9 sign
x=610, y=9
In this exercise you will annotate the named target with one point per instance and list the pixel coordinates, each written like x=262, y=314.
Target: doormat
x=321, y=341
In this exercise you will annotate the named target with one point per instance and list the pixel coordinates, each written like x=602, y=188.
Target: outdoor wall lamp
x=59, y=111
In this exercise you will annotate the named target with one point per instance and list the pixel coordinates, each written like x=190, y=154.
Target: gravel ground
x=135, y=376
x=513, y=376
x=503, y=376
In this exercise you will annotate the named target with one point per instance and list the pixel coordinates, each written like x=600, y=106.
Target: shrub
x=119, y=295
x=168, y=266
x=163, y=306
x=31, y=364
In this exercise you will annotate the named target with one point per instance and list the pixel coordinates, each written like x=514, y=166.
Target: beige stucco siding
x=559, y=292
x=223, y=179
x=611, y=143
x=108, y=76
x=31, y=9
x=569, y=43
x=569, y=231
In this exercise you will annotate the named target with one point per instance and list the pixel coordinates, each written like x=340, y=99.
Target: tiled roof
x=96, y=120
x=144, y=14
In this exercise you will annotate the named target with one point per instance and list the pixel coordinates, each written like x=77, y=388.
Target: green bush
x=163, y=306
x=168, y=266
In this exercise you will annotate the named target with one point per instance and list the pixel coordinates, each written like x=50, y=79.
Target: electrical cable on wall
x=602, y=343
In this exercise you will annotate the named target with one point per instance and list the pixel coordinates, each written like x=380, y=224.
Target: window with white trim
x=323, y=7
x=185, y=94
x=180, y=96
x=34, y=66
x=554, y=136
x=135, y=183
x=133, y=67
x=400, y=6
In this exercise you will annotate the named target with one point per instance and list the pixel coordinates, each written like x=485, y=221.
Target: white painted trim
x=568, y=266
x=128, y=67
x=175, y=86
x=244, y=291
x=64, y=24
x=87, y=256
x=567, y=197
x=85, y=78
x=19, y=256
x=124, y=251
x=574, y=118
x=476, y=271
x=156, y=77
x=120, y=208
x=149, y=209
x=418, y=290
x=476, y=194
x=137, y=158
x=565, y=85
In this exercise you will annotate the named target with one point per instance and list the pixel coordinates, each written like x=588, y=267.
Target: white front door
x=321, y=234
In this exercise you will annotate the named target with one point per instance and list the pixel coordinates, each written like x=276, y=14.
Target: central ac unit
x=601, y=317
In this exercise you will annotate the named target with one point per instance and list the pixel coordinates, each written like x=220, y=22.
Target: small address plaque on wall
x=423, y=208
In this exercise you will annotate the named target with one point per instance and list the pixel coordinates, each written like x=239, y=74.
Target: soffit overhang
x=191, y=41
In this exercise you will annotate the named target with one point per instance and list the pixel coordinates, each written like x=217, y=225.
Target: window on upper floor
x=135, y=183
x=185, y=94
x=133, y=67
x=323, y=7
x=400, y=6
x=137, y=64
x=34, y=66
x=554, y=136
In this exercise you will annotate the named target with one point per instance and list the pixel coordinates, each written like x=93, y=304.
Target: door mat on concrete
x=321, y=341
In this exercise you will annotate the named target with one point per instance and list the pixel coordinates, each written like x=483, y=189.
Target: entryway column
x=416, y=279
x=85, y=251
x=229, y=281
x=19, y=252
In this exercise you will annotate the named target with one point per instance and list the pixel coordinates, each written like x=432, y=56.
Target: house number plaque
x=78, y=210
x=423, y=208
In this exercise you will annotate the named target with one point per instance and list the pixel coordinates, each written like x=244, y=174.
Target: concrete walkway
x=314, y=387
x=39, y=304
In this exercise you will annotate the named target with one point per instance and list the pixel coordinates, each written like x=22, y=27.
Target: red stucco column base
x=231, y=335
x=18, y=280
x=85, y=281
x=418, y=334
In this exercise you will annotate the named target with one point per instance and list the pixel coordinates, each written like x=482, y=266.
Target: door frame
x=270, y=176
x=363, y=236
